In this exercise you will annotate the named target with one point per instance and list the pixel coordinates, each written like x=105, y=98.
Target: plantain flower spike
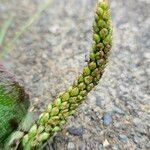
x=56, y=114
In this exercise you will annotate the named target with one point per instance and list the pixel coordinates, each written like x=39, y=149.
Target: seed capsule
x=32, y=131
x=99, y=11
x=73, y=99
x=40, y=129
x=100, y=46
x=83, y=93
x=82, y=86
x=43, y=136
x=102, y=24
x=56, y=129
x=74, y=91
x=90, y=87
x=54, y=111
x=104, y=6
x=57, y=102
x=65, y=96
x=96, y=38
x=92, y=65
x=86, y=71
x=62, y=122
x=106, y=15
x=94, y=46
x=49, y=108
x=64, y=105
x=80, y=79
x=107, y=40
x=48, y=128
x=25, y=140
x=88, y=79
x=103, y=33
x=44, y=118
x=92, y=57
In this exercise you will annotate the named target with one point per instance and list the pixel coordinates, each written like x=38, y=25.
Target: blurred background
x=44, y=43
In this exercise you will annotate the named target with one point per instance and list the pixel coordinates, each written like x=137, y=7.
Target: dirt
x=51, y=53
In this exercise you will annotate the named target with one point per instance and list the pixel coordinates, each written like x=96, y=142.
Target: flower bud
x=65, y=96
x=80, y=79
x=43, y=136
x=25, y=140
x=90, y=87
x=104, y=6
x=40, y=129
x=92, y=56
x=49, y=108
x=96, y=38
x=102, y=24
x=56, y=129
x=74, y=91
x=92, y=65
x=82, y=86
x=88, y=79
x=103, y=33
x=86, y=71
x=99, y=11
x=64, y=105
x=54, y=111
x=57, y=102
x=32, y=131
x=83, y=93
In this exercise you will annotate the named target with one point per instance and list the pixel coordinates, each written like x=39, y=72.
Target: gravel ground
x=116, y=114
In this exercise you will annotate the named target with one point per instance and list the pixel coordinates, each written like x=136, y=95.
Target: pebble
x=78, y=131
x=107, y=119
x=119, y=111
x=115, y=147
x=100, y=102
x=106, y=143
x=100, y=147
x=123, y=138
x=82, y=147
x=71, y=146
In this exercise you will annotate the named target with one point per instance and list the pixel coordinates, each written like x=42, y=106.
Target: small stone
x=119, y=111
x=107, y=119
x=100, y=102
x=71, y=146
x=77, y=131
x=115, y=147
x=100, y=147
x=106, y=143
x=82, y=147
x=123, y=138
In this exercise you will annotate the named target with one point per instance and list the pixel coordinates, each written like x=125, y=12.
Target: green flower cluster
x=56, y=114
